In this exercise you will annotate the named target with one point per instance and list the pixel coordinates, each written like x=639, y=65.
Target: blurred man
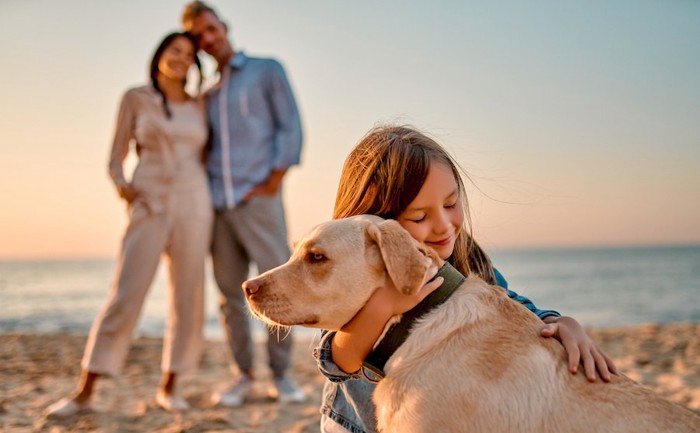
x=256, y=137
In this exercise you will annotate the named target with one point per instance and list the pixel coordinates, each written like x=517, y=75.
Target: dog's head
x=335, y=269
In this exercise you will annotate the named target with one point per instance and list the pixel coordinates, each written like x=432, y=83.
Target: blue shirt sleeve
x=324, y=360
x=288, y=134
x=501, y=281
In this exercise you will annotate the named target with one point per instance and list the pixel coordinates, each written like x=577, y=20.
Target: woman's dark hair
x=159, y=53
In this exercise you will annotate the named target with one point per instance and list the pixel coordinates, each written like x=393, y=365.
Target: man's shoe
x=67, y=407
x=285, y=390
x=234, y=396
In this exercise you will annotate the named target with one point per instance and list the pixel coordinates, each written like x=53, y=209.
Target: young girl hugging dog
x=397, y=172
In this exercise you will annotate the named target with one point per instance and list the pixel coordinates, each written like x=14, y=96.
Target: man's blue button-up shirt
x=256, y=128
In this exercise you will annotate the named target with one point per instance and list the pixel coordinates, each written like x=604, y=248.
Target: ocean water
x=598, y=287
x=609, y=287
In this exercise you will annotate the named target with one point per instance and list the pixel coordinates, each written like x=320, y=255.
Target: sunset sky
x=578, y=122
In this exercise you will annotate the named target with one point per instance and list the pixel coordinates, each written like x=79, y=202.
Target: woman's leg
x=187, y=249
x=167, y=382
x=110, y=335
x=85, y=386
x=78, y=402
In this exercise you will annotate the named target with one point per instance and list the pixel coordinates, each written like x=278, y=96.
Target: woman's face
x=177, y=59
x=435, y=216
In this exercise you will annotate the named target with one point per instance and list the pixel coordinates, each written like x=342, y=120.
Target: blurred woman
x=170, y=215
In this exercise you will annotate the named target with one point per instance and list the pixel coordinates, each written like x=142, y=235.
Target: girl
x=397, y=172
x=170, y=213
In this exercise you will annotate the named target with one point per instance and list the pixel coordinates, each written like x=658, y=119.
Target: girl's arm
x=354, y=341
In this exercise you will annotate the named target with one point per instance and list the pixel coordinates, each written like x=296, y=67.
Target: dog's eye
x=315, y=257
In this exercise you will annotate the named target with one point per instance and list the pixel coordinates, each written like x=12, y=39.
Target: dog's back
x=477, y=363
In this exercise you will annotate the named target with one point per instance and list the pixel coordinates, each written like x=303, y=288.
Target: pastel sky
x=578, y=122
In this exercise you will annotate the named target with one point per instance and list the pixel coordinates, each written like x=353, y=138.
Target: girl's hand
x=580, y=348
x=398, y=303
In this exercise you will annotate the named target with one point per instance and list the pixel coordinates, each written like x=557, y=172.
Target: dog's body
x=476, y=363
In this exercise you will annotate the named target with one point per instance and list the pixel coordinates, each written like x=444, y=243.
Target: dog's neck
x=398, y=332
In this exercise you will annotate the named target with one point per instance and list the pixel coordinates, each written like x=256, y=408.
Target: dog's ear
x=406, y=261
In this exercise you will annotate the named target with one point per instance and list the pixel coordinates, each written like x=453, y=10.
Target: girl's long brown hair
x=383, y=175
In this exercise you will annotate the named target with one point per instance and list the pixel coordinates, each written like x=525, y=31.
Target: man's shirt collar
x=238, y=60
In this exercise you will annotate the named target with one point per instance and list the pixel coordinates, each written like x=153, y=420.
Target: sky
x=578, y=123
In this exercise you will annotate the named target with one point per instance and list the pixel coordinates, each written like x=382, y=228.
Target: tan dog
x=476, y=363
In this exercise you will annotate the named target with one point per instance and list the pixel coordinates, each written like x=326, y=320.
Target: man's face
x=211, y=34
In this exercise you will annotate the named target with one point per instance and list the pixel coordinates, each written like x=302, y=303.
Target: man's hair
x=194, y=9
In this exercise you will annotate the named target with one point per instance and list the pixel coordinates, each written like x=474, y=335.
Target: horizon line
x=533, y=248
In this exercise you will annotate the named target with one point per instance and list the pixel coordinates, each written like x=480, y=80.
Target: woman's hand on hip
x=128, y=192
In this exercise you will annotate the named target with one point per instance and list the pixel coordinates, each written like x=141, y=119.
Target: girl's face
x=177, y=59
x=435, y=216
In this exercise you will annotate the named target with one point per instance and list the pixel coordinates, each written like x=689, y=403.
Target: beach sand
x=38, y=369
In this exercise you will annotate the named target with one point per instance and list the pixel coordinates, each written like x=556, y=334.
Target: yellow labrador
x=475, y=363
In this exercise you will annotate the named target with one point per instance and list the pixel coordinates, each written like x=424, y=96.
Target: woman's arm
x=120, y=146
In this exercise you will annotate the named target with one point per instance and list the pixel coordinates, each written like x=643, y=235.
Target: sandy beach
x=38, y=369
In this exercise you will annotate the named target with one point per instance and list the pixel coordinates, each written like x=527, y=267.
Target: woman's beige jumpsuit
x=171, y=217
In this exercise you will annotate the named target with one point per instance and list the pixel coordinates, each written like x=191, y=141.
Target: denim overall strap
x=398, y=333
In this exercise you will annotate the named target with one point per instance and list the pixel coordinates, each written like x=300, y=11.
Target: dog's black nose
x=251, y=287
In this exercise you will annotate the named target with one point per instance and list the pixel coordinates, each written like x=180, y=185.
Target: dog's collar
x=398, y=332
